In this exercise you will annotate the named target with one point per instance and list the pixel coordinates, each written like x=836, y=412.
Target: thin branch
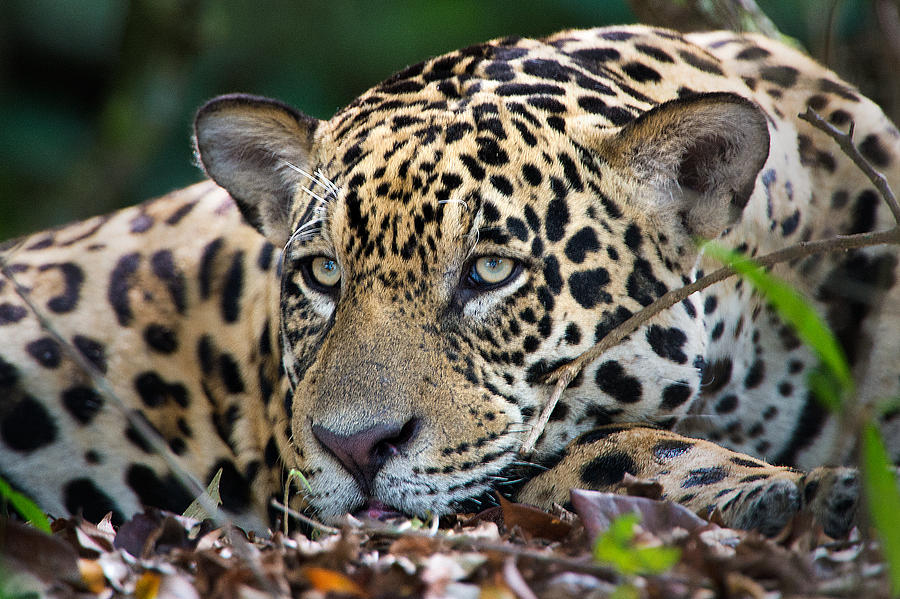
x=315, y=524
x=563, y=375
x=458, y=541
x=845, y=141
x=705, y=15
x=153, y=439
x=461, y=541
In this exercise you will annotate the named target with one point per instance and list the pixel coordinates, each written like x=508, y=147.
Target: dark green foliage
x=97, y=97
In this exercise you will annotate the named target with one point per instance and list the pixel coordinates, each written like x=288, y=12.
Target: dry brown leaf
x=147, y=586
x=741, y=586
x=494, y=591
x=92, y=575
x=330, y=581
x=89, y=541
x=49, y=558
x=642, y=487
x=151, y=529
x=413, y=547
x=532, y=521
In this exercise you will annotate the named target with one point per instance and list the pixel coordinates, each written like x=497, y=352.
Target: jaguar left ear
x=701, y=154
x=252, y=147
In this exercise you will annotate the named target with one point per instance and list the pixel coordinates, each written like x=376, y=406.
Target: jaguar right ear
x=253, y=147
x=702, y=153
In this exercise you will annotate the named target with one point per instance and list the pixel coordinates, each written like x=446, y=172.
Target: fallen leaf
x=147, y=586
x=642, y=487
x=92, y=575
x=180, y=587
x=413, y=546
x=742, y=586
x=117, y=570
x=532, y=521
x=330, y=581
x=27, y=549
x=494, y=591
x=576, y=585
x=598, y=510
x=151, y=529
x=89, y=541
x=441, y=571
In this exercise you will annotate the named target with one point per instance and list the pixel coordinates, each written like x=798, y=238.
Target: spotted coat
x=377, y=299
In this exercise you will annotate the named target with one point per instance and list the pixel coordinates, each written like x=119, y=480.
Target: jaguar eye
x=492, y=271
x=324, y=272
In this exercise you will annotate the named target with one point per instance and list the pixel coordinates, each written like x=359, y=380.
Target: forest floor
x=620, y=546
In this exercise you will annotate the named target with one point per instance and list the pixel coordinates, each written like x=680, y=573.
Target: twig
x=515, y=581
x=478, y=544
x=304, y=518
x=99, y=381
x=563, y=375
x=853, y=415
x=564, y=378
x=153, y=439
x=845, y=141
x=455, y=541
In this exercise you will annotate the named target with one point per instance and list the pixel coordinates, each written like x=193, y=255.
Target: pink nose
x=365, y=452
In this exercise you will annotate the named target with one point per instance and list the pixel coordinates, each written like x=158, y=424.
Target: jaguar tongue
x=376, y=510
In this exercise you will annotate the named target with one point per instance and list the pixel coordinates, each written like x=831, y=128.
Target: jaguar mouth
x=375, y=510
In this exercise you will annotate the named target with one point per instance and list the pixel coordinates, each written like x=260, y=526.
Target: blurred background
x=97, y=96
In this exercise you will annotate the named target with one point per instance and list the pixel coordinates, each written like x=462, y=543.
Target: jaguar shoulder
x=381, y=301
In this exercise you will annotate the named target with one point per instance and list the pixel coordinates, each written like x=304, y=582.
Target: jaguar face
x=440, y=302
x=443, y=256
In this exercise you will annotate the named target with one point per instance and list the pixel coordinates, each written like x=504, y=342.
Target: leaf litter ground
x=609, y=545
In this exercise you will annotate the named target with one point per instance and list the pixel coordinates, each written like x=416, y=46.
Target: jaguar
x=380, y=299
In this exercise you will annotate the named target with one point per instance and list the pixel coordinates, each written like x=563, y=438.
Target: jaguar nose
x=365, y=452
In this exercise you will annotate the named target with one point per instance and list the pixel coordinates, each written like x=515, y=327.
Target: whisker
x=303, y=172
x=511, y=482
x=318, y=178
x=326, y=182
x=315, y=195
x=526, y=425
x=308, y=224
x=529, y=465
x=474, y=243
x=455, y=201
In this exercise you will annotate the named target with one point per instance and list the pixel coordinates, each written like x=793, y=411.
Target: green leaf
x=825, y=387
x=625, y=591
x=795, y=310
x=616, y=547
x=196, y=510
x=883, y=499
x=25, y=506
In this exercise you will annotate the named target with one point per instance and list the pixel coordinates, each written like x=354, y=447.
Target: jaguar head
x=443, y=254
